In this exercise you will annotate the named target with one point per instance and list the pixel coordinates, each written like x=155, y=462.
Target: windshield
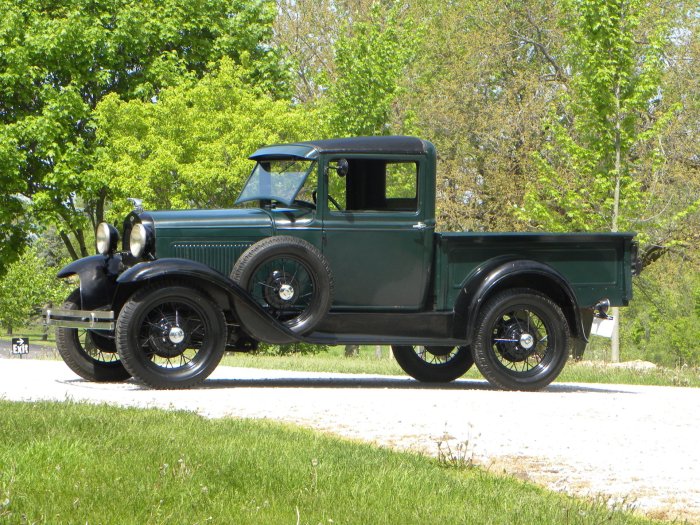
x=278, y=180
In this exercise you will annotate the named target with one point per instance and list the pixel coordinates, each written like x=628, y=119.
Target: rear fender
x=223, y=290
x=501, y=273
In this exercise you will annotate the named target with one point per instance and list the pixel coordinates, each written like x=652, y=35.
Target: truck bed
x=595, y=264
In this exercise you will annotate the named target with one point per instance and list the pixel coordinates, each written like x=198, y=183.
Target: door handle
x=420, y=226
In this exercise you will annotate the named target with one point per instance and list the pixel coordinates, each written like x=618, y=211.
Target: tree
x=479, y=89
x=28, y=285
x=591, y=172
x=59, y=59
x=189, y=149
x=662, y=324
x=371, y=57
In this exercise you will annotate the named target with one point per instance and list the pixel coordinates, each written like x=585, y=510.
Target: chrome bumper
x=91, y=320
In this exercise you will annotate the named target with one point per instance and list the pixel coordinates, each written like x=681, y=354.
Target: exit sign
x=20, y=345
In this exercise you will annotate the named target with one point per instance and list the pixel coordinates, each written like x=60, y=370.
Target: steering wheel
x=304, y=204
x=330, y=198
x=335, y=203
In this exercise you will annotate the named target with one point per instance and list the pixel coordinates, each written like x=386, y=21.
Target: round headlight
x=138, y=240
x=106, y=237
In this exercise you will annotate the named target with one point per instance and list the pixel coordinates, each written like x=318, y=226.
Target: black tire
x=170, y=336
x=434, y=364
x=289, y=278
x=521, y=340
x=89, y=355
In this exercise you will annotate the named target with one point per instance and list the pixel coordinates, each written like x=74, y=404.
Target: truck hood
x=164, y=221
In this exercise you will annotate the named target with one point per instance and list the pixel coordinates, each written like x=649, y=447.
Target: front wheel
x=170, y=336
x=521, y=341
x=89, y=355
x=434, y=364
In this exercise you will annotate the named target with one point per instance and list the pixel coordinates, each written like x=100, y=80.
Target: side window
x=401, y=186
x=374, y=185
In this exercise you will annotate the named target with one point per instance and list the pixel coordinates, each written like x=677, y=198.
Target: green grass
x=63, y=463
x=368, y=363
x=34, y=333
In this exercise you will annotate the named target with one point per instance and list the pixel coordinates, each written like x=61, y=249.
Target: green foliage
x=479, y=88
x=663, y=322
x=59, y=59
x=589, y=171
x=371, y=57
x=28, y=285
x=190, y=148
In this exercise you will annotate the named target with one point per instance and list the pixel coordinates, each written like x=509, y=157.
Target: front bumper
x=85, y=319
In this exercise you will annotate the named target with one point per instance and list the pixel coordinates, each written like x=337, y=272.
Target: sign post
x=20, y=346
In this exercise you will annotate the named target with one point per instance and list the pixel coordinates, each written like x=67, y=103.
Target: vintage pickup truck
x=334, y=242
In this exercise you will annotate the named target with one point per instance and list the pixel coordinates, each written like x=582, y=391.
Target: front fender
x=262, y=327
x=500, y=273
x=98, y=276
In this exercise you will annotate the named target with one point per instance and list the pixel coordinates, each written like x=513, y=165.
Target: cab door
x=375, y=236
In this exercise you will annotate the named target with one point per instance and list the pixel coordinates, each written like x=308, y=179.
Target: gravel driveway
x=632, y=443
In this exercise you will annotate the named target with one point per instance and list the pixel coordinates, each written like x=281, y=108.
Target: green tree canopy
x=59, y=59
x=603, y=164
x=190, y=148
x=371, y=56
x=29, y=284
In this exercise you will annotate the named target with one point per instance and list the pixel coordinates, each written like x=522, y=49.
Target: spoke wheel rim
x=84, y=341
x=522, y=341
x=436, y=355
x=173, y=334
x=286, y=287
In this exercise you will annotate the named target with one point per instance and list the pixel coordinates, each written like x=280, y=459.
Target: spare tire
x=289, y=278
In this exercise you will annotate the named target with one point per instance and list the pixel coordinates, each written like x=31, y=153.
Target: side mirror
x=342, y=166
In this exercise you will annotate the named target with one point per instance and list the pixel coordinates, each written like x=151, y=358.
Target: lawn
x=369, y=362
x=64, y=463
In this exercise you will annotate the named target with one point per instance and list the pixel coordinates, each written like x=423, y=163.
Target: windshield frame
x=287, y=198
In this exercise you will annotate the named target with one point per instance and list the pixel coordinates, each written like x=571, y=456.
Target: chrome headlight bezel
x=106, y=238
x=139, y=240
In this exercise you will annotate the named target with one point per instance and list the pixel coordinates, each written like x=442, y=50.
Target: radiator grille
x=218, y=255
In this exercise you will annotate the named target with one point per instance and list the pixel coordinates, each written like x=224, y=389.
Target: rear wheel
x=170, y=336
x=93, y=357
x=521, y=341
x=434, y=364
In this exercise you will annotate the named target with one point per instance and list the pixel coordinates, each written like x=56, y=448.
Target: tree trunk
x=69, y=246
x=81, y=242
x=352, y=350
x=45, y=330
x=615, y=343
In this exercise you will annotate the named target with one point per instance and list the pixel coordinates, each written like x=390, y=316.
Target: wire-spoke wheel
x=434, y=364
x=93, y=357
x=170, y=336
x=289, y=278
x=522, y=340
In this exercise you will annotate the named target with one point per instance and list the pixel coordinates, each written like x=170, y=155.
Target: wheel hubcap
x=515, y=343
x=168, y=339
x=527, y=341
x=286, y=292
x=176, y=335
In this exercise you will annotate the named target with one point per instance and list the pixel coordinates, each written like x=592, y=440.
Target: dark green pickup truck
x=334, y=242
